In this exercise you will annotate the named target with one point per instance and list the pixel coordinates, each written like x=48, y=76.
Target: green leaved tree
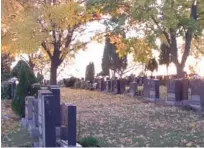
x=105, y=65
x=90, y=72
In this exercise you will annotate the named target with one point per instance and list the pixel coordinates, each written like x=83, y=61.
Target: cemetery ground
x=118, y=120
x=12, y=134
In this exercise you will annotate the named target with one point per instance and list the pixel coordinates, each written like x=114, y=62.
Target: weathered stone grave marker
x=197, y=95
x=108, y=86
x=151, y=89
x=133, y=89
x=174, y=92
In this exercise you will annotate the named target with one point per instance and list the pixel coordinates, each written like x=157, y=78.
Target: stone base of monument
x=159, y=101
x=150, y=99
x=196, y=107
x=33, y=131
x=174, y=103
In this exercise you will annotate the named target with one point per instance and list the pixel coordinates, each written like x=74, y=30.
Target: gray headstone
x=133, y=89
x=29, y=107
x=151, y=89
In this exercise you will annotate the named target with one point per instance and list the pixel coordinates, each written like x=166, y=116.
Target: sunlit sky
x=94, y=53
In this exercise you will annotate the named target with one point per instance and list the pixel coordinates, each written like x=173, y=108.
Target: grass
x=119, y=120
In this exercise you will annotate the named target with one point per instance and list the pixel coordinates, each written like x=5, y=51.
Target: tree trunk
x=167, y=71
x=53, y=73
x=180, y=72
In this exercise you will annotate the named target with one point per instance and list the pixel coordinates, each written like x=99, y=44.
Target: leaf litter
x=122, y=120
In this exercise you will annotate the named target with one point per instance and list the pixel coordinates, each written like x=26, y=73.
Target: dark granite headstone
x=49, y=121
x=56, y=92
x=108, y=86
x=122, y=84
x=71, y=125
x=46, y=118
x=112, y=85
x=184, y=89
x=116, y=86
x=174, y=92
x=151, y=89
x=101, y=85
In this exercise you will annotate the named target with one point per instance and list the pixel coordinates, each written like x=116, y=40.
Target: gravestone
x=116, y=87
x=108, y=86
x=174, y=92
x=197, y=94
x=101, y=85
x=33, y=127
x=56, y=92
x=46, y=118
x=112, y=85
x=184, y=89
x=133, y=89
x=28, y=107
x=122, y=84
x=71, y=125
x=64, y=115
x=151, y=89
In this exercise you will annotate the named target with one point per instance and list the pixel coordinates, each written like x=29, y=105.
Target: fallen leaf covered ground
x=12, y=134
x=119, y=120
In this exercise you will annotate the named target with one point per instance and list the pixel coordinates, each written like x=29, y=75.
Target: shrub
x=89, y=142
x=5, y=76
x=26, y=78
x=5, y=91
x=90, y=72
x=70, y=82
x=18, y=104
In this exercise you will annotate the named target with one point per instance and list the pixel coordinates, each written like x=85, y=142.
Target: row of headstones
x=177, y=90
x=118, y=86
x=50, y=123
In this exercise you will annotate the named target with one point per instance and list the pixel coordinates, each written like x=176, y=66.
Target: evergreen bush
x=26, y=78
x=89, y=142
